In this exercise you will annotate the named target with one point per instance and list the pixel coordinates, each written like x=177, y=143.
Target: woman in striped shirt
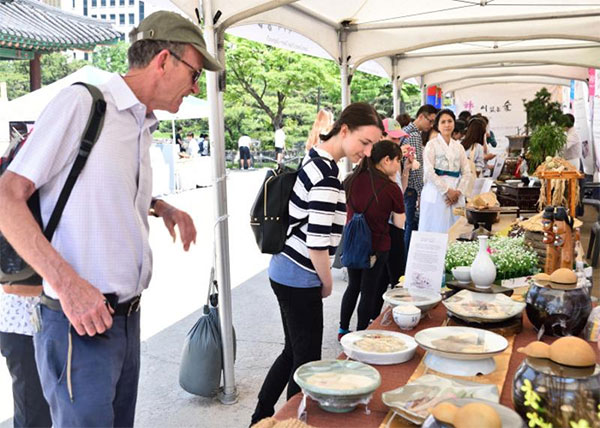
x=301, y=274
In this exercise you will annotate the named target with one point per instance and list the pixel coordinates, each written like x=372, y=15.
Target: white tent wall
x=502, y=104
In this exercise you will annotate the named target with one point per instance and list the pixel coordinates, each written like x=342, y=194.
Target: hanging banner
x=596, y=122
x=502, y=104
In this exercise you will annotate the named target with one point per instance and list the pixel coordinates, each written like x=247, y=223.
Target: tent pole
x=423, y=91
x=345, y=79
x=395, y=99
x=215, y=46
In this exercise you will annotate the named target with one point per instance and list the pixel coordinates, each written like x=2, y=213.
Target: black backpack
x=13, y=269
x=269, y=216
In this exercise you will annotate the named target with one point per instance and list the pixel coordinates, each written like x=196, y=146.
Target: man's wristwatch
x=152, y=211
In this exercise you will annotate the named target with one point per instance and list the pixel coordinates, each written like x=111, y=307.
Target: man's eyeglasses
x=195, y=73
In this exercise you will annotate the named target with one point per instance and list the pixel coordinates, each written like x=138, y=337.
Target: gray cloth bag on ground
x=202, y=356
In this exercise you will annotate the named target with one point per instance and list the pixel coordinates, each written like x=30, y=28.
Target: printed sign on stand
x=426, y=259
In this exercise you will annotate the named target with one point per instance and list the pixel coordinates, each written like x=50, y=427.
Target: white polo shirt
x=103, y=232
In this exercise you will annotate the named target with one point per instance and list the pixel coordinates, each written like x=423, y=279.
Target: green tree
x=111, y=58
x=54, y=66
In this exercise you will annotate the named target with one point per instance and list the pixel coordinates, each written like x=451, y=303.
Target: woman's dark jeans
x=302, y=315
x=366, y=283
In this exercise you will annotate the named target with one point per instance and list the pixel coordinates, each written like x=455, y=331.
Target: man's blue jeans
x=410, y=207
x=104, y=371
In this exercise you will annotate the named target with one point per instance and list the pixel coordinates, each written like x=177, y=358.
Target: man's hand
x=85, y=307
x=326, y=290
x=172, y=217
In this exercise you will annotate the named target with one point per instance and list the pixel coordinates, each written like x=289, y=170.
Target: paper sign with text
x=426, y=259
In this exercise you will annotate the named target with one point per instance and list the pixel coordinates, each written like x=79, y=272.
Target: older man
x=99, y=261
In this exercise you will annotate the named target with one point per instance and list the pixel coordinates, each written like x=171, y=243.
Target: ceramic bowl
x=406, y=316
x=422, y=299
x=483, y=307
x=462, y=274
x=349, y=340
x=461, y=343
x=336, y=398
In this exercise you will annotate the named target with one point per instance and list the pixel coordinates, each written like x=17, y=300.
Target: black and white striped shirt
x=317, y=210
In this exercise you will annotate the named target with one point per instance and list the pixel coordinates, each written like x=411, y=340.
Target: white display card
x=426, y=259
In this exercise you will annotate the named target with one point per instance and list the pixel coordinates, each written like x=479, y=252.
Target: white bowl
x=462, y=274
x=380, y=358
x=406, y=316
x=482, y=307
x=491, y=343
x=422, y=299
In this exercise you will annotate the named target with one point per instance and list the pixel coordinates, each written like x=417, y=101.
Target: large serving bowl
x=557, y=385
x=422, y=299
x=461, y=343
x=338, y=385
x=354, y=351
x=509, y=418
x=483, y=307
x=559, y=312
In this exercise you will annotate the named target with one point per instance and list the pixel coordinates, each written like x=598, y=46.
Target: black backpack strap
x=89, y=138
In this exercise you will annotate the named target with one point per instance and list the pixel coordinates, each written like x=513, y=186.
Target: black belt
x=121, y=309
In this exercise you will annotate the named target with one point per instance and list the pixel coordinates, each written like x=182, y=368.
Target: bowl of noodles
x=338, y=385
x=379, y=347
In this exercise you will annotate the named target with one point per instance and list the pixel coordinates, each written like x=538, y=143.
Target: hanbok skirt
x=435, y=215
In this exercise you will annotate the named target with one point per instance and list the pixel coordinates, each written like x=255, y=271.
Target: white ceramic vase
x=483, y=270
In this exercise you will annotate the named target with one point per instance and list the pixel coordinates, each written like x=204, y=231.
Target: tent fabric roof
x=430, y=36
x=28, y=26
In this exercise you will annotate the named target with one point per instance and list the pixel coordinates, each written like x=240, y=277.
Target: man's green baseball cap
x=171, y=27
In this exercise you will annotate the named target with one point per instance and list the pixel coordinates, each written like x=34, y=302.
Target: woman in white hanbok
x=447, y=176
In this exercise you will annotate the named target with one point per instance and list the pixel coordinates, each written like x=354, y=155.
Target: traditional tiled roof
x=28, y=26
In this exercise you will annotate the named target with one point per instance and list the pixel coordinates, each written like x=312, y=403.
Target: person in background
x=179, y=140
x=17, y=303
x=396, y=263
x=447, y=176
x=321, y=125
x=279, y=144
x=403, y=119
x=193, y=149
x=465, y=116
x=460, y=130
x=572, y=150
x=201, y=142
x=87, y=350
x=423, y=122
x=300, y=275
x=244, y=148
x=473, y=145
x=372, y=190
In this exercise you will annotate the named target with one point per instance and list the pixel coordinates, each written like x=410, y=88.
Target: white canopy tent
x=545, y=32
x=28, y=107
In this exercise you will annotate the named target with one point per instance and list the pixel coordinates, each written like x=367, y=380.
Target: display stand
x=570, y=175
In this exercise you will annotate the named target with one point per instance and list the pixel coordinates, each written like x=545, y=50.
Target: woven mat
x=497, y=377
